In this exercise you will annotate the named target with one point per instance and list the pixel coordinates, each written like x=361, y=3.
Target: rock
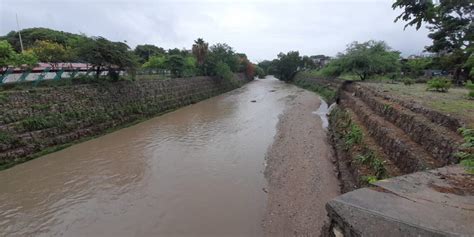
x=253, y=101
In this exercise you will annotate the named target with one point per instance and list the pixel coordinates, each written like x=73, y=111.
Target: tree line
x=451, y=30
x=54, y=47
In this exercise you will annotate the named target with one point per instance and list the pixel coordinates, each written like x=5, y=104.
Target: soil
x=300, y=173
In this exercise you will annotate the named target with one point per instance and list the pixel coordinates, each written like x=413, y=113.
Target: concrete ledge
x=433, y=203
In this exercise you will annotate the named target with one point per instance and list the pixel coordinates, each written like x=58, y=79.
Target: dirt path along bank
x=299, y=172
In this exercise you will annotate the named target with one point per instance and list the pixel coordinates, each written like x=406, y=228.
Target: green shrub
x=439, y=84
x=466, y=153
x=38, y=123
x=470, y=87
x=223, y=71
x=353, y=136
x=408, y=81
x=6, y=137
x=3, y=98
x=369, y=179
x=377, y=165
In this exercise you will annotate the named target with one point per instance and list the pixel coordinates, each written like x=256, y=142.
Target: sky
x=259, y=28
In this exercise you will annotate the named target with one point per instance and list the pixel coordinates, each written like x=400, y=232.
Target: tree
x=200, y=50
x=288, y=64
x=450, y=24
x=368, y=59
x=155, y=62
x=9, y=58
x=190, y=66
x=415, y=66
x=175, y=64
x=50, y=52
x=7, y=55
x=308, y=63
x=223, y=71
x=145, y=51
x=220, y=53
x=260, y=72
x=31, y=35
x=265, y=65
x=103, y=54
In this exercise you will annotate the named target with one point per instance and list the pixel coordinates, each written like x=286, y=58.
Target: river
x=197, y=171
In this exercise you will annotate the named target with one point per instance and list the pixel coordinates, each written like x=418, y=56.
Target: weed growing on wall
x=466, y=155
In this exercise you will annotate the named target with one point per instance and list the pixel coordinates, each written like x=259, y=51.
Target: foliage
x=50, y=52
x=439, y=84
x=333, y=69
x=353, y=136
x=155, y=62
x=175, y=64
x=450, y=24
x=408, y=81
x=106, y=55
x=145, y=51
x=414, y=67
x=190, y=66
x=370, y=179
x=31, y=35
x=223, y=71
x=250, y=70
x=200, y=50
x=367, y=59
x=38, y=123
x=7, y=54
x=220, y=53
x=287, y=65
x=327, y=93
x=265, y=66
x=259, y=72
x=467, y=149
x=370, y=158
x=8, y=57
x=6, y=137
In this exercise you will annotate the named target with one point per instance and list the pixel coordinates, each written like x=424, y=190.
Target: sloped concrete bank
x=41, y=120
x=378, y=137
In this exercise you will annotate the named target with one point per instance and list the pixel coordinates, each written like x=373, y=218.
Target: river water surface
x=197, y=171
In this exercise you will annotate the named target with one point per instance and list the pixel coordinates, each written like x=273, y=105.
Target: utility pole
x=19, y=33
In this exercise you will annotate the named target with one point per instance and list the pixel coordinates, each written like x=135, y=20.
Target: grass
x=353, y=136
x=466, y=154
x=324, y=91
x=6, y=137
x=454, y=102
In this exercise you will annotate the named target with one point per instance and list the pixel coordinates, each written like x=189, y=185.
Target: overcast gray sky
x=259, y=28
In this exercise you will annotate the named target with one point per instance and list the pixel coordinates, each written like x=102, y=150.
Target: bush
x=470, y=95
x=408, y=81
x=439, y=84
x=223, y=71
x=354, y=136
x=470, y=87
x=260, y=72
x=466, y=153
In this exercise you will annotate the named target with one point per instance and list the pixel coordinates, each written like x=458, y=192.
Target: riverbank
x=300, y=174
x=41, y=120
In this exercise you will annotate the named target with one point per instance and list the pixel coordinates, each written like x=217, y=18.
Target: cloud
x=259, y=28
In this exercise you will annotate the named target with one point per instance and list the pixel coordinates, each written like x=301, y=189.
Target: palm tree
x=200, y=49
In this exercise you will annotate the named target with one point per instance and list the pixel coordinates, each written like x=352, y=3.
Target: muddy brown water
x=197, y=171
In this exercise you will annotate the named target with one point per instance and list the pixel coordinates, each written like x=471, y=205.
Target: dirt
x=300, y=174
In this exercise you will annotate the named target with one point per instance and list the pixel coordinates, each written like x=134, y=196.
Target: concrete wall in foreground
x=36, y=119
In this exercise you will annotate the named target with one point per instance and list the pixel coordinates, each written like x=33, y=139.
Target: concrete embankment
x=40, y=120
x=377, y=138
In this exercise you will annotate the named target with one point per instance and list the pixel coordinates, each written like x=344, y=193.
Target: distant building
x=320, y=60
